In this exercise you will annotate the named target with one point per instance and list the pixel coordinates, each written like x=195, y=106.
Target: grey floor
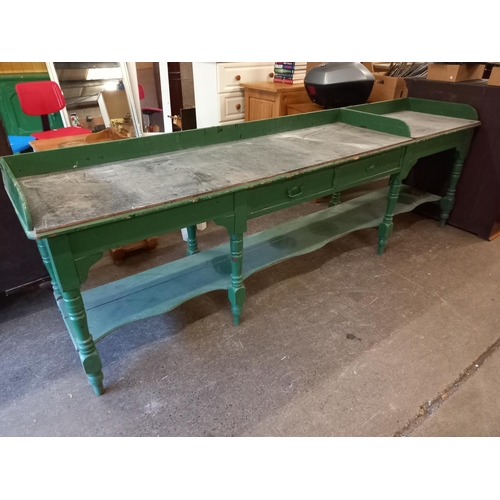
x=340, y=342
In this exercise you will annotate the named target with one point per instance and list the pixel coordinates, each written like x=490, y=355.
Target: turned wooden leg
x=236, y=290
x=87, y=351
x=48, y=264
x=385, y=227
x=334, y=200
x=192, y=241
x=449, y=199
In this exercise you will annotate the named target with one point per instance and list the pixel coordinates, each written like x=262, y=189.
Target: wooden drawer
x=367, y=170
x=232, y=106
x=228, y=74
x=288, y=192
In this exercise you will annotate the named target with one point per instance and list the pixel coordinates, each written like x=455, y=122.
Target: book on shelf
x=293, y=63
x=296, y=74
x=281, y=71
x=292, y=67
x=289, y=72
x=289, y=77
x=288, y=80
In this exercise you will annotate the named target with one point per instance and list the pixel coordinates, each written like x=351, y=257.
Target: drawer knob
x=271, y=75
x=238, y=106
x=237, y=77
x=371, y=168
x=295, y=191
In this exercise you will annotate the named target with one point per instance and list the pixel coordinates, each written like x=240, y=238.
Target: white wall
x=165, y=96
x=205, y=94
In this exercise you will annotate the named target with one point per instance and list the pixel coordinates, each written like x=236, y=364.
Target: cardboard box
x=495, y=76
x=455, y=72
x=311, y=65
x=377, y=67
x=386, y=88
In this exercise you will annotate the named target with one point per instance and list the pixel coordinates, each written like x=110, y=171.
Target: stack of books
x=289, y=72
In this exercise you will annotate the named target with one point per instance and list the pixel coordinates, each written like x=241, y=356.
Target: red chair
x=41, y=99
x=147, y=111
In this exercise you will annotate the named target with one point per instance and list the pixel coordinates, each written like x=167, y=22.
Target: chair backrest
x=40, y=98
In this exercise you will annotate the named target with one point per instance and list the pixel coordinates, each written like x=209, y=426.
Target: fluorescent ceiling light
x=103, y=73
x=110, y=86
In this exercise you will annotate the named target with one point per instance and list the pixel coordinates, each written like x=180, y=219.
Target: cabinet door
x=232, y=106
x=259, y=109
x=262, y=105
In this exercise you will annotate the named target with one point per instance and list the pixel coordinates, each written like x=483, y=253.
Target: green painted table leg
x=48, y=264
x=449, y=199
x=87, y=351
x=334, y=200
x=236, y=290
x=385, y=228
x=192, y=240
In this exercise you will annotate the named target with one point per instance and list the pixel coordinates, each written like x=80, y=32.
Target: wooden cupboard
x=264, y=100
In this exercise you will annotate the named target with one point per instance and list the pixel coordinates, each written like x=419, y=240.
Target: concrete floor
x=339, y=342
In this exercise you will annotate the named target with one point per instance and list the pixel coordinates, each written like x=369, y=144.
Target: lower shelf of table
x=163, y=288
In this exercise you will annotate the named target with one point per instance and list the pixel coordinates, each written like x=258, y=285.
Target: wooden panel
x=228, y=73
x=259, y=109
x=39, y=67
x=22, y=67
x=27, y=67
x=6, y=67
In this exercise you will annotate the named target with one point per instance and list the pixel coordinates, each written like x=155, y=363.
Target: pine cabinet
x=264, y=100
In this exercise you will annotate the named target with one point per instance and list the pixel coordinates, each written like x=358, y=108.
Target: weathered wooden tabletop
x=81, y=195
x=66, y=198
x=425, y=125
